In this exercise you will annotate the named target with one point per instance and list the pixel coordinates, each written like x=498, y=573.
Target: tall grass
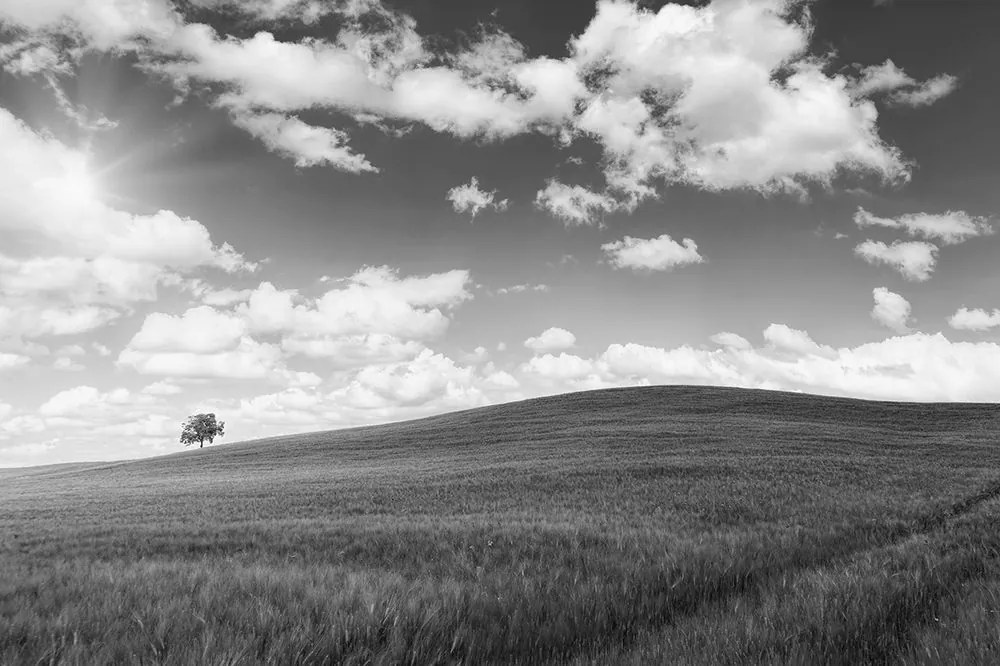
x=640, y=526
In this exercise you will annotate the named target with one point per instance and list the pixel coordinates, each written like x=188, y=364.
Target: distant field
x=672, y=525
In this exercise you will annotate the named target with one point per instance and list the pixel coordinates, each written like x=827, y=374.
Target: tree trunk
x=201, y=443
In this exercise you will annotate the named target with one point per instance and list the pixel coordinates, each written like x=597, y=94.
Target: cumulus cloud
x=950, y=228
x=731, y=340
x=654, y=254
x=8, y=361
x=372, y=317
x=914, y=260
x=720, y=96
x=73, y=263
x=373, y=300
x=918, y=367
x=469, y=198
x=248, y=359
x=976, y=319
x=200, y=330
x=551, y=339
x=891, y=310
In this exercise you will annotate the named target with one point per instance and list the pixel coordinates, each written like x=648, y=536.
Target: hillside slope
x=641, y=524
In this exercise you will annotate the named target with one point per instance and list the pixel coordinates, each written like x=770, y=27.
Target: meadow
x=681, y=525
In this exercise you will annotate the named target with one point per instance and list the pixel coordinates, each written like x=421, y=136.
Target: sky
x=303, y=215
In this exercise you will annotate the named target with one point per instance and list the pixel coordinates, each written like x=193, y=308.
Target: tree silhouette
x=200, y=427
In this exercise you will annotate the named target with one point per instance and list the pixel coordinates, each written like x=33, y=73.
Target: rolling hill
x=656, y=524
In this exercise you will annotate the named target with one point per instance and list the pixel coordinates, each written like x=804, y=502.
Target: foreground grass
x=676, y=525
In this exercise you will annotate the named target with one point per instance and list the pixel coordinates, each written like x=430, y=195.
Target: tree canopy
x=201, y=427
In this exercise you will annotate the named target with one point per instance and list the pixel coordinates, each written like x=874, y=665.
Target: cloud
x=71, y=262
x=655, y=254
x=9, y=361
x=373, y=300
x=372, y=317
x=950, y=228
x=783, y=338
x=732, y=340
x=901, y=88
x=522, y=288
x=918, y=367
x=427, y=384
x=248, y=359
x=307, y=145
x=575, y=205
x=915, y=260
x=926, y=93
x=470, y=198
x=976, y=319
x=577, y=371
x=200, y=330
x=722, y=96
x=551, y=339
x=891, y=310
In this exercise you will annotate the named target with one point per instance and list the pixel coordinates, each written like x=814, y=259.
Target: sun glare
x=76, y=182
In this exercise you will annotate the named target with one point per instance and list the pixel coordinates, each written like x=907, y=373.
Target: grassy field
x=651, y=525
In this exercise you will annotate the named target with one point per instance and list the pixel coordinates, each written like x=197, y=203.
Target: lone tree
x=200, y=427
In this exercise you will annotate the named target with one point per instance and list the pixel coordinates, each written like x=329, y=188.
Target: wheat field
x=679, y=525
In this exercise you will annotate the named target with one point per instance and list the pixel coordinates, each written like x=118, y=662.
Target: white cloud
x=891, y=310
x=249, y=359
x=73, y=263
x=563, y=367
x=917, y=367
x=975, y=319
x=783, y=338
x=950, y=228
x=105, y=24
x=373, y=300
x=654, y=254
x=67, y=364
x=522, y=288
x=574, y=204
x=200, y=330
x=732, y=340
x=163, y=388
x=9, y=361
x=902, y=89
x=551, y=339
x=307, y=145
x=721, y=96
x=470, y=198
x=927, y=92
x=915, y=260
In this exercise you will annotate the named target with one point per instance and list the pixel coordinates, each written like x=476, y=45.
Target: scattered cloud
x=900, y=88
x=950, y=228
x=891, y=310
x=71, y=262
x=976, y=319
x=522, y=288
x=719, y=96
x=655, y=254
x=307, y=145
x=927, y=92
x=914, y=260
x=575, y=205
x=551, y=339
x=918, y=367
x=469, y=198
